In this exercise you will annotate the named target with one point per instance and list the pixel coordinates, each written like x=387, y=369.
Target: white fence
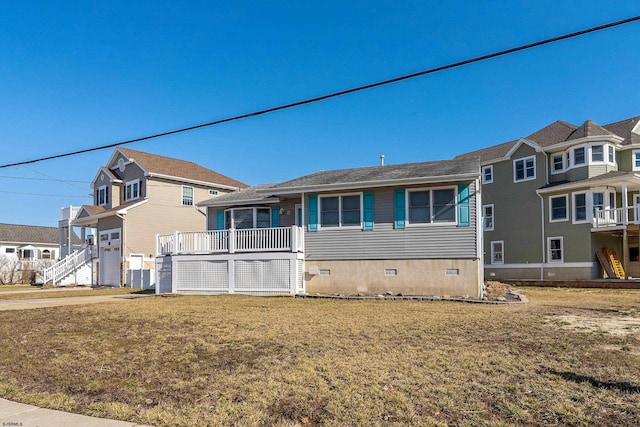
x=275, y=239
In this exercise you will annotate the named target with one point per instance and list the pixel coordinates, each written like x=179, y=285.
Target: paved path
x=23, y=304
x=14, y=414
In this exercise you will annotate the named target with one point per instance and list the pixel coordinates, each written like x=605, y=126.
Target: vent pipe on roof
x=381, y=159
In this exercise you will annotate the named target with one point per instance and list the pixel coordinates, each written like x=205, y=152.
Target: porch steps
x=611, y=263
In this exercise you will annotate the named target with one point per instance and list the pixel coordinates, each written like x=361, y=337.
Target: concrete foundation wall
x=414, y=277
x=547, y=273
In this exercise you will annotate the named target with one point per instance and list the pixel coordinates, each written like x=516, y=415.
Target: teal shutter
x=219, y=220
x=312, y=213
x=275, y=216
x=464, y=205
x=400, y=209
x=367, y=211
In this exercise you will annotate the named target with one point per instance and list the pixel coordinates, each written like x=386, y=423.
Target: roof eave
x=266, y=201
x=192, y=181
x=582, y=184
x=372, y=184
x=584, y=140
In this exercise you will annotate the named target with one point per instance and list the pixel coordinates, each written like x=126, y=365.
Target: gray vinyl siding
x=625, y=160
x=427, y=241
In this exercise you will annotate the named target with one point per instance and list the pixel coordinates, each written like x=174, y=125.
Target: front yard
x=569, y=357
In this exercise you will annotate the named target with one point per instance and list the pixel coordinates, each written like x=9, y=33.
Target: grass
x=234, y=360
x=9, y=288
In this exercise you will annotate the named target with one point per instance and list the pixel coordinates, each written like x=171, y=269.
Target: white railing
x=70, y=212
x=617, y=216
x=290, y=239
x=66, y=266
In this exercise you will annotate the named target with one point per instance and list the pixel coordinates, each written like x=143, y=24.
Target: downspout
x=480, y=238
x=123, y=247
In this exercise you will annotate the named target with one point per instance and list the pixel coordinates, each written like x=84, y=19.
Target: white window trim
x=493, y=217
x=549, y=259
x=587, y=156
x=634, y=154
x=493, y=252
x=131, y=184
x=564, y=163
x=487, y=181
x=339, y=226
x=524, y=160
x=430, y=190
x=586, y=206
x=566, y=201
x=106, y=201
x=193, y=196
x=604, y=154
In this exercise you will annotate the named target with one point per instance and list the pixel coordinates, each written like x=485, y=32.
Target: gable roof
x=588, y=128
x=168, y=167
x=380, y=176
x=28, y=234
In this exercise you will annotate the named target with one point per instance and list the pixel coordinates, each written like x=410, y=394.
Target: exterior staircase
x=74, y=268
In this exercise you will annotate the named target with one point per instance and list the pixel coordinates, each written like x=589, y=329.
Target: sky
x=80, y=74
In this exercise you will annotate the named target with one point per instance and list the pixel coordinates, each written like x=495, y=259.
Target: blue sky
x=74, y=75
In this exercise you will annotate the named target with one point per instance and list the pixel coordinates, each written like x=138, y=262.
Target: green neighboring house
x=553, y=199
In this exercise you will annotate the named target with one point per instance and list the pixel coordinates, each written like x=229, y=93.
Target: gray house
x=553, y=201
x=410, y=228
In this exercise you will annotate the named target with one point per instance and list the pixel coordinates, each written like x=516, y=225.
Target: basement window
x=390, y=272
x=452, y=272
x=325, y=272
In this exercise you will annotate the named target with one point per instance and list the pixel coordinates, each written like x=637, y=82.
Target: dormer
x=106, y=189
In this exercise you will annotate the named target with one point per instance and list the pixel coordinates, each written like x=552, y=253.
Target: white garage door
x=110, y=266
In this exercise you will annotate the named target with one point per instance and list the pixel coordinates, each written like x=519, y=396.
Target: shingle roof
x=594, y=179
x=246, y=195
x=28, y=234
x=558, y=132
x=588, y=128
x=623, y=129
x=156, y=164
x=552, y=134
x=381, y=174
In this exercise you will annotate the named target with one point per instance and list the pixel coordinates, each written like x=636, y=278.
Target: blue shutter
x=275, y=216
x=312, y=213
x=464, y=205
x=400, y=209
x=219, y=220
x=367, y=211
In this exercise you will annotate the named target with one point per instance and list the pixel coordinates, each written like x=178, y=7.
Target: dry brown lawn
x=230, y=360
x=63, y=292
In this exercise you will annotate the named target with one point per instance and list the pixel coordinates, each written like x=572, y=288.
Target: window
x=10, y=250
x=187, y=196
x=244, y=218
x=578, y=156
x=554, y=249
x=597, y=153
x=132, y=190
x=46, y=254
x=338, y=211
x=580, y=207
x=103, y=195
x=612, y=154
x=497, y=252
x=636, y=160
x=432, y=206
x=558, y=208
x=487, y=174
x=558, y=163
x=524, y=169
x=487, y=214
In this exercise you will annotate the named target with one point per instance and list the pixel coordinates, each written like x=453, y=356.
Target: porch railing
x=603, y=218
x=279, y=239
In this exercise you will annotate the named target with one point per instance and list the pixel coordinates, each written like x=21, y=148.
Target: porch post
x=231, y=244
x=625, y=205
x=625, y=251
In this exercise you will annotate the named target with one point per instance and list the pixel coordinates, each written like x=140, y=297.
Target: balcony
x=275, y=239
x=69, y=213
x=616, y=217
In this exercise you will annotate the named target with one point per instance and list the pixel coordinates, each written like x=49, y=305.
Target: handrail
x=66, y=266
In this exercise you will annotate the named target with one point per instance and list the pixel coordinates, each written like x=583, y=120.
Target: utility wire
x=340, y=93
x=42, y=179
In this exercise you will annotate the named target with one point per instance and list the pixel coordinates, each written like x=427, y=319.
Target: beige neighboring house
x=136, y=196
x=25, y=248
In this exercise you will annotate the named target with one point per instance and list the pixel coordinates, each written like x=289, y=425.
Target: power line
x=41, y=179
x=337, y=94
x=39, y=194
